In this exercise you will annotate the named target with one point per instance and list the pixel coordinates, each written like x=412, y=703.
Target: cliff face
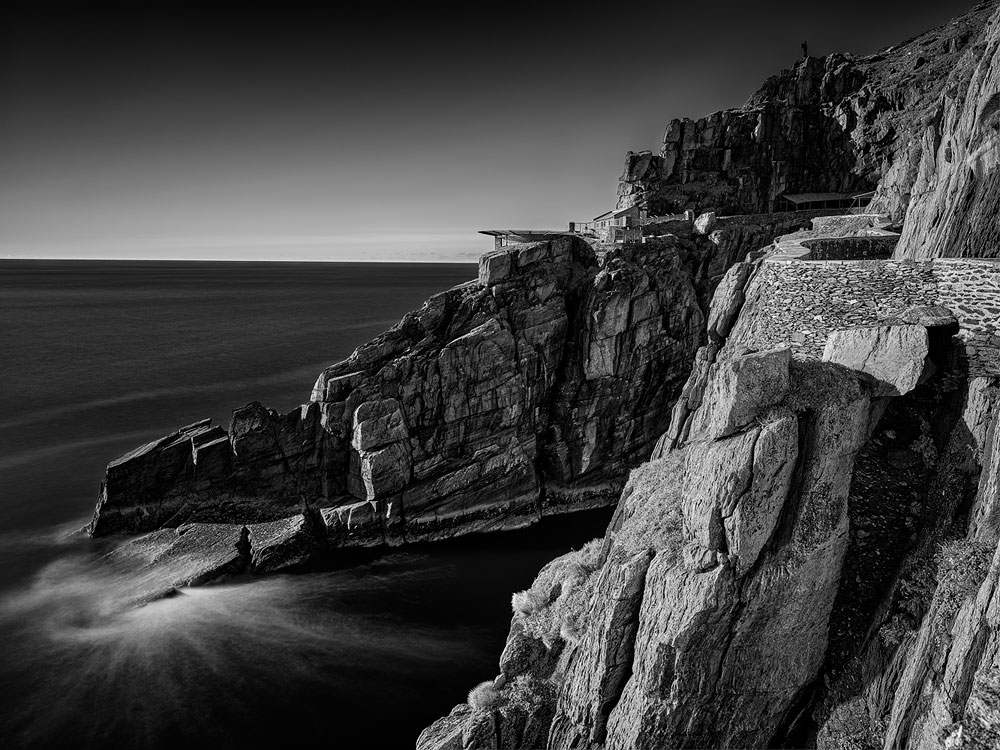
x=809, y=556
x=530, y=391
x=839, y=123
x=960, y=151
x=756, y=585
x=791, y=137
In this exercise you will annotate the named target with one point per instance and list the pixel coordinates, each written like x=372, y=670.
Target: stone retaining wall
x=972, y=290
x=805, y=217
x=851, y=248
x=846, y=225
x=799, y=303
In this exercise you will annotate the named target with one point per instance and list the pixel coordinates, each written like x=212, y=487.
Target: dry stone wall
x=972, y=291
x=800, y=303
x=851, y=248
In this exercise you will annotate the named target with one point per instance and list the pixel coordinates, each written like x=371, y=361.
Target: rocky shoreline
x=527, y=393
x=799, y=435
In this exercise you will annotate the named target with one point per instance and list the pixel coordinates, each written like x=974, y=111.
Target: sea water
x=97, y=357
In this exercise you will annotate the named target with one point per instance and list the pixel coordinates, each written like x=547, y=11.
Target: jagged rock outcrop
x=289, y=544
x=531, y=391
x=754, y=566
x=839, y=123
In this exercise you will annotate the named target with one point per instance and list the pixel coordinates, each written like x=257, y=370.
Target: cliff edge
x=811, y=556
x=529, y=391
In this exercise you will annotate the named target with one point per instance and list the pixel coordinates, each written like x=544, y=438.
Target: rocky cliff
x=529, y=391
x=811, y=557
x=839, y=123
x=532, y=390
x=959, y=150
x=775, y=575
x=807, y=552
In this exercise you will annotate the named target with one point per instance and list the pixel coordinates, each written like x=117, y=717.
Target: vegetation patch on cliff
x=850, y=727
x=653, y=518
x=949, y=578
x=557, y=604
x=528, y=694
x=484, y=696
x=962, y=567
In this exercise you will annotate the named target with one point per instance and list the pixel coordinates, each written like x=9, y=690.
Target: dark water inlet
x=362, y=656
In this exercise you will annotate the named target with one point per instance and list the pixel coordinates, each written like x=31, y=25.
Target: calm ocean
x=98, y=357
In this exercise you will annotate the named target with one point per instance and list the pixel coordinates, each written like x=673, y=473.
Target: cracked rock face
x=549, y=378
x=734, y=630
x=284, y=545
x=741, y=389
x=959, y=158
x=751, y=563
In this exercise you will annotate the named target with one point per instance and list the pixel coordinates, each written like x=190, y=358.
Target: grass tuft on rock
x=558, y=602
x=526, y=602
x=484, y=696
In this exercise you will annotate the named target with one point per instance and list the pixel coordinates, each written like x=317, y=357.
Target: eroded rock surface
x=959, y=148
x=753, y=568
x=189, y=555
x=530, y=392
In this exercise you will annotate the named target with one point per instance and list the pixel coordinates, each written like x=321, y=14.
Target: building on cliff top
x=617, y=225
x=502, y=237
x=813, y=201
x=614, y=225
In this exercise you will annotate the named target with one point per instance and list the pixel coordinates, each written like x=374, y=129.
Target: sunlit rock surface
x=896, y=356
x=529, y=393
x=959, y=147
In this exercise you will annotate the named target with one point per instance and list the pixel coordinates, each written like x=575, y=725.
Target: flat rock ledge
x=161, y=562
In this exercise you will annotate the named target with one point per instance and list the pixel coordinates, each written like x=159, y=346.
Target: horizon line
x=245, y=260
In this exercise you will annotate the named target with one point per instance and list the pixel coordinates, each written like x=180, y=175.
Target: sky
x=209, y=131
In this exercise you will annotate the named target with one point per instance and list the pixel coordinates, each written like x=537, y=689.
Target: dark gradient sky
x=158, y=131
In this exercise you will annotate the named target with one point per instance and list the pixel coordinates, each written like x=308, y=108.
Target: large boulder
x=896, y=356
x=705, y=223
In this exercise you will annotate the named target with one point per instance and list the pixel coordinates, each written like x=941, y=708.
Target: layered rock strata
x=530, y=391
